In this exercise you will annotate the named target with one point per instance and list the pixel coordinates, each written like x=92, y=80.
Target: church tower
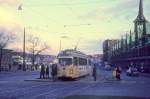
x=140, y=24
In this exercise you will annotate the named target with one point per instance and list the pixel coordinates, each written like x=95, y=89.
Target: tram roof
x=72, y=52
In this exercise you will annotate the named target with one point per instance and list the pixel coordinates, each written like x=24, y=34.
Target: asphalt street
x=24, y=85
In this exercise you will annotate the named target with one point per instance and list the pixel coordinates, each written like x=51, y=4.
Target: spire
x=140, y=16
x=122, y=42
x=126, y=42
x=130, y=40
x=141, y=8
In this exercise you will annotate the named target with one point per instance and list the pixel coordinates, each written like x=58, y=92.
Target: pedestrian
x=47, y=72
x=114, y=73
x=9, y=67
x=142, y=68
x=42, y=73
x=94, y=72
x=118, y=72
x=54, y=72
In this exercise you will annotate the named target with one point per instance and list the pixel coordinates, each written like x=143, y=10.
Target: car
x=107, y=67
x=132, y=72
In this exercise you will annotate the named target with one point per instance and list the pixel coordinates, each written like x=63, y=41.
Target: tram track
x=55, y=92
x=34, y=90
x=75, y=91
x=24, y=88
x=65, y=91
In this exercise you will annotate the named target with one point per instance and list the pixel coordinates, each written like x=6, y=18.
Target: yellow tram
x=73, y=64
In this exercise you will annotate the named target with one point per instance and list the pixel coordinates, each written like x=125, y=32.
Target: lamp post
x=24, y=37
x=24, y=50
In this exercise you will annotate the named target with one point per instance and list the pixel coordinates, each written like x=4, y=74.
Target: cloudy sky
x=88, y=21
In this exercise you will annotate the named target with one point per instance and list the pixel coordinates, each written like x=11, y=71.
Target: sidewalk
x=18, y=75
x=17, y=71
x=145, y=75
x=40, y=80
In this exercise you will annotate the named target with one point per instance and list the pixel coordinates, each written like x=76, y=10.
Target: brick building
x=134, y=47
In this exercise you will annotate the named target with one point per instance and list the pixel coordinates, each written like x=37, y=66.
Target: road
x=22, y=85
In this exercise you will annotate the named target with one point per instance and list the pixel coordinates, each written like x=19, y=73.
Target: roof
x=71, y=52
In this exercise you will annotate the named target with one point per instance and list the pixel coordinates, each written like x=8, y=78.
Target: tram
x=73, y=64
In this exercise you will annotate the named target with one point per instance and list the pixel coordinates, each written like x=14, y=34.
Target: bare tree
x=5, y=39
x=35, y=47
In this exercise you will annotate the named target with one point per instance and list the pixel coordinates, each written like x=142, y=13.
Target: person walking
x=47, y=72
x=94, y=72
x=54, y=72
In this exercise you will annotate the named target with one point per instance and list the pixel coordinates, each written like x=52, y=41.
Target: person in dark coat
x=94, y=72
x=54, y=72
x=47, y=72
x=118, y=72
x=42, y=73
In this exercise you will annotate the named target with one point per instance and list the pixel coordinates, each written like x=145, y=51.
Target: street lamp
x=24, y=50
x=24, y=43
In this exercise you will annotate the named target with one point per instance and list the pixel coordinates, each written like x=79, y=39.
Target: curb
x=145, y=75
x=36, y=80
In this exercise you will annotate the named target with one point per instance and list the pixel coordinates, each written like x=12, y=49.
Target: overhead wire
x=45, y=18
x=75, y=14
x=57, y=21
x=60, y=4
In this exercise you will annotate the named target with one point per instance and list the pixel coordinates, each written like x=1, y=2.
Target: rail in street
x=28, y=87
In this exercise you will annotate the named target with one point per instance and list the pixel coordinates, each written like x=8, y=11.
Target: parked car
x=132, y=71
x=107, y=66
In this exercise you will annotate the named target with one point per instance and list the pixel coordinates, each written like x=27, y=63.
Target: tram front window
x=65, y=61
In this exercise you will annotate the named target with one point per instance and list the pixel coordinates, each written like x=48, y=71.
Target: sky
x=88, y=22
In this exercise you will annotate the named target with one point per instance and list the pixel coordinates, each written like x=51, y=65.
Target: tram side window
x=82, y=61
x=75, y=61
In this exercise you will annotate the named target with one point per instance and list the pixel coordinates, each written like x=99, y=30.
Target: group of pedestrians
x=44, y=73
x=116, y=73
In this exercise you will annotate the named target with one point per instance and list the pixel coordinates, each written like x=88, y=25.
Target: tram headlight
x=71, y=71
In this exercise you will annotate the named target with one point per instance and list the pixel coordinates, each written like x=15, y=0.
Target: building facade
x=6, y=60
x=13, y=60
x=133, y=48
x=107, y=45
